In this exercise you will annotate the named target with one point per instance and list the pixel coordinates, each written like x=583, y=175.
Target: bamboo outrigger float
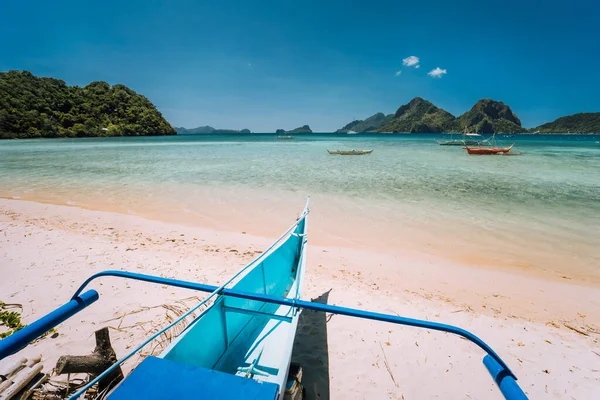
x=241, y=345
x=350, y=152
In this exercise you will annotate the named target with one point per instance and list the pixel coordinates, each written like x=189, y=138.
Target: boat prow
x=246, y=338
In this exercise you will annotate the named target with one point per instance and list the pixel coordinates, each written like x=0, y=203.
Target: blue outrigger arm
x=500, y=372
x=20, y=339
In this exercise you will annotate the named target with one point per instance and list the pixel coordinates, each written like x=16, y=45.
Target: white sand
x=46, y=251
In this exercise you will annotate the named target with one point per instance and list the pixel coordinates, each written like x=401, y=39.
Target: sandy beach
x=451, y=178
x=546, y=328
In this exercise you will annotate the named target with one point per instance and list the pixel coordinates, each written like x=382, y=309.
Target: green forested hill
x=33, y=107
x=419, y=116
x=490, y=116
x=370, y=124
x=576, y=123
x=301, y=129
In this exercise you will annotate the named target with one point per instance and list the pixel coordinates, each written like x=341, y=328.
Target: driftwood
x=3, y=386
x=30, y=389
x=8, y=373
x=34, y=360
x=20, y=380
x=94, y=364
x=9, y=369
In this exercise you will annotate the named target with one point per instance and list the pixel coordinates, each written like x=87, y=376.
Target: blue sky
x=265, y=65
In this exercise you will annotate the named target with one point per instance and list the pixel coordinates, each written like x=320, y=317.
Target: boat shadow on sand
x=311, y=351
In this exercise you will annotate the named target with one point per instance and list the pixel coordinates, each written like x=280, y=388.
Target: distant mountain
x=370, y=124
x=35, y=107
x=207, y=130
x=302, y=129
x=489, y=116
x=576, y=123
x=419, y=116
x=194, y=131
x=422, y=116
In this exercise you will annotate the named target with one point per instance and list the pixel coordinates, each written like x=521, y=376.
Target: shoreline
x=48, y=250
x=274, y=134
x=476, y=247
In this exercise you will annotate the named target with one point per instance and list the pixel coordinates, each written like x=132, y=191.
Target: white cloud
x=437, y=72
x=411, y=61
x=398, y=73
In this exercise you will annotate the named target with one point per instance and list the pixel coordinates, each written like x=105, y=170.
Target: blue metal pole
x=147, y=278
x=502, y=375
x=351, y=312
x=307, y=305
x=505, y=381
x=21, y=338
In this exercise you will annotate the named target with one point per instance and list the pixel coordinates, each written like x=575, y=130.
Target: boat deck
x=268, y=334
x=159, y=379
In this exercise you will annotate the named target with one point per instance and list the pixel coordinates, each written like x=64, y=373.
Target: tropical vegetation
x=577, y=123
x=34, y=107
x=301, y=129
x=370, y=124
x=421, y=116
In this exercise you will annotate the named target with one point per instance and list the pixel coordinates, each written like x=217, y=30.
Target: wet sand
x=545, y=248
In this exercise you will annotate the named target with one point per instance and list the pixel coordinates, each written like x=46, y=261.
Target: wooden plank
x=11, y=368
x=21, y=380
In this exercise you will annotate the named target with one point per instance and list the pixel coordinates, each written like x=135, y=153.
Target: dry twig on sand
x=387, y=365
x=575, y=329
x=58, y=389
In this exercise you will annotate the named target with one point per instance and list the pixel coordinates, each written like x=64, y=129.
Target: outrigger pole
x=500, y=372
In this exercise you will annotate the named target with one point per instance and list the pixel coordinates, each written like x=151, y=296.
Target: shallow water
x=539, y=211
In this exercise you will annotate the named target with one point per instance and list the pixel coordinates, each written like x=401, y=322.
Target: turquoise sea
x=538, y=211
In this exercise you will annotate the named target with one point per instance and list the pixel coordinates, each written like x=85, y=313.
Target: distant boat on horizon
x=474, y=141
x=350, y=152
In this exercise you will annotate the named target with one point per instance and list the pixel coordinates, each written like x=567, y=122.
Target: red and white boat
x=487, y=150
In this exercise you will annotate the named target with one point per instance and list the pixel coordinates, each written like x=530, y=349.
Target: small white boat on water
x=467, y=139
x=350, y=152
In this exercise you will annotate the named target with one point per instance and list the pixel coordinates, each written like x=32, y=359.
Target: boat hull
x=488, y=150
x=250, y=338
x=350, y=152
